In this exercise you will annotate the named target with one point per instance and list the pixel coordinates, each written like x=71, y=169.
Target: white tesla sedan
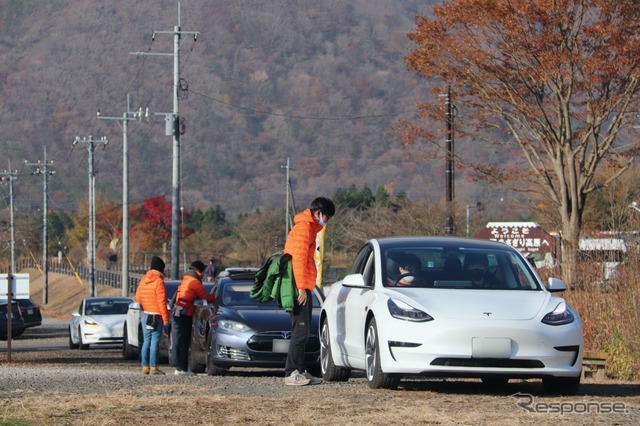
x=449, y=307
x=98, y=321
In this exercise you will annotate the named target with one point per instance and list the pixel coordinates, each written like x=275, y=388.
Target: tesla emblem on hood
x=286, y=335
x=487, y=313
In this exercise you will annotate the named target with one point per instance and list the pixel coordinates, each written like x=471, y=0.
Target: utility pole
x=479, y=207
x=92, y=209
x=43, y=169
x=175, y=124
x=10, y=176
x=126, y=117
x=287, y=211
x=450, y=171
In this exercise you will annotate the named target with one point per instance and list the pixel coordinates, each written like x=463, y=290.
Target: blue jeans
x=151, y=343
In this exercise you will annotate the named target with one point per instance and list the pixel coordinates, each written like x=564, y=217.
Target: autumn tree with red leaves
x=556, y=80
x=151, y=224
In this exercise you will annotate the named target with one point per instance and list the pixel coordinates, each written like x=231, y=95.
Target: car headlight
x=559, y=316
x=401, y=310
x=233, y=326
x=90, y=322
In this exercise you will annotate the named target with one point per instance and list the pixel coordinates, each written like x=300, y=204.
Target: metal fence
x=108, y=278
x=112, y=278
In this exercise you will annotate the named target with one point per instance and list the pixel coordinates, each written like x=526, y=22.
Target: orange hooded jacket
x=152, y=296
x=190, y=289
x=301, y=245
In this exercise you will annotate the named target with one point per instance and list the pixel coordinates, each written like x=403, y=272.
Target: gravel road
x=97, y=386
x=42, y=355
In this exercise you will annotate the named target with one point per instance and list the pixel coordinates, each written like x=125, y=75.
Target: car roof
x=106, y=298
x=390, y=242
x=238, y=271
x=238, y=279
x=239, y=276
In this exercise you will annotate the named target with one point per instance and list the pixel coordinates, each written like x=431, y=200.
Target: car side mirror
x=354, y=280
x=555, y=285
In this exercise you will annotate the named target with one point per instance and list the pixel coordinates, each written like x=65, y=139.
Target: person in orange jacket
x=301, y=245
x=190, y=289
x=152, y=297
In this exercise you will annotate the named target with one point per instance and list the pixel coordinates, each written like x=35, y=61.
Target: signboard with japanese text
x=527, y=237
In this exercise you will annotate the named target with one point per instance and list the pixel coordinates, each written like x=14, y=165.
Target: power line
x=294, y=116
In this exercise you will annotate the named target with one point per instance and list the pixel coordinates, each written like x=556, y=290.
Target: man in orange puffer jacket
x=190, y=289
x=301, y=245
x=152, y=297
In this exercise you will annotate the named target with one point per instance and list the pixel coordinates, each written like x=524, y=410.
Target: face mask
x=320, y=221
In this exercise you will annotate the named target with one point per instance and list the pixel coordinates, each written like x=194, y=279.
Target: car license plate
x=281, y=346
x=491, y=347
x=30, y=311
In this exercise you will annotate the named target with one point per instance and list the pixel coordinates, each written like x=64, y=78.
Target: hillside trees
x=556, y=80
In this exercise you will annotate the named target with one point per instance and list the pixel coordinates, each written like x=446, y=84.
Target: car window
x=362, y=258
x=107, y=307
x=457, y=267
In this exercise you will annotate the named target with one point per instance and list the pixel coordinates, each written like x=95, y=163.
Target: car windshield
x=107, y=307
x=237, y=295
x=457, y=267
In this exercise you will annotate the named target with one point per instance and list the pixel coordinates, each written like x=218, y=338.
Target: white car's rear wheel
x=128, y=351
x=375, y=376
x=330, y=372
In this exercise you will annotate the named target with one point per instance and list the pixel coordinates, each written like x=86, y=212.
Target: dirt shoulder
x=64, y=293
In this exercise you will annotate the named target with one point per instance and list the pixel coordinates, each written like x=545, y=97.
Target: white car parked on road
x=449, y=307
x=98, y=321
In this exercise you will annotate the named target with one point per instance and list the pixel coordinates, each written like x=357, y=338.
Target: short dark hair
x=325, y=206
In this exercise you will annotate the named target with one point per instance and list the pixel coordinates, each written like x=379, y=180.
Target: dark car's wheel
x=194, y=366
x=71, y=344
x=375, y=376
x=561, y=385
x=330, y=372
x=128, y=351
x=83, y=346
x=212, y=369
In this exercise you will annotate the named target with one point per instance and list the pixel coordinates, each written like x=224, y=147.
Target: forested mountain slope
x=320, y=83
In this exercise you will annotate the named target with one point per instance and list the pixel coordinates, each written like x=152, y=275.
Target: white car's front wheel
x=72, y=345
x=330, y=372
x=82, y=345
x=375, y=376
